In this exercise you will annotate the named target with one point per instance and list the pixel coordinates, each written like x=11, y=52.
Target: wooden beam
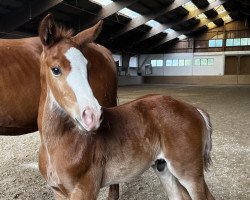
x=107, y=11
x=156, y=30
x=179, y=33
x=30, y=10
x=138, y=21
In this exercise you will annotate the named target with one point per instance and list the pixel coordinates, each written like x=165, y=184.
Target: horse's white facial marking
x=78, y=81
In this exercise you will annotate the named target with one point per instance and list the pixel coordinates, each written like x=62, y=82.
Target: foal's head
x=65, y=69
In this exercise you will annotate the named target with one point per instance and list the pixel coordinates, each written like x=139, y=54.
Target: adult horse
x=20, y=80
x=19, y=85
x=85, y=147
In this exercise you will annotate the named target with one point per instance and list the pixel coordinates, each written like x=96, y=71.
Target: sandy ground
x=228, y=178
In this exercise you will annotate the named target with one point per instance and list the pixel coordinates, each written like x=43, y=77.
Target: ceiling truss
x=144, y=41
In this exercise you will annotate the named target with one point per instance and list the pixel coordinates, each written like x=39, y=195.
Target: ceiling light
x=182, y=37
x=189, y=6
x=211, y=1
x=153, y=23
x=169, y=30
x=102, y=2
x=201, y=16
x=211, y=25
x=220, y=9
x=129, y=13
x=227, y=19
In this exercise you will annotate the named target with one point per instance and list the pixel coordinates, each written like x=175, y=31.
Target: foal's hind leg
x=195, y=187
x=208, y=193
x=174, y=189
x=192, y=178
x=113, y=192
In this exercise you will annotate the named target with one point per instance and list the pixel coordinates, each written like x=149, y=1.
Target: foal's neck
x=55, y=121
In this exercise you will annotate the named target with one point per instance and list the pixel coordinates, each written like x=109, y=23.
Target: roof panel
x=201, y=16
x=153, y=23
x=220, y=9
x=129, y=13
x=211, y=25
x=190, y=6
x=227, y=19
x=169, y=31
x=102, y=2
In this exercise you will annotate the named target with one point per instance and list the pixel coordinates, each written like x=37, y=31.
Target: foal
x=84, y=147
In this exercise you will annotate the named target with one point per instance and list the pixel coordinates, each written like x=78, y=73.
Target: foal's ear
x=48, y=30
x=88, y=35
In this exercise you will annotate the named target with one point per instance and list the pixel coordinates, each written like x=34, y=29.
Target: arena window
x=215, y=43
x=157, y=63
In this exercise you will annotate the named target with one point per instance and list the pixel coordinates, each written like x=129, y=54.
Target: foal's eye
x=56, y=70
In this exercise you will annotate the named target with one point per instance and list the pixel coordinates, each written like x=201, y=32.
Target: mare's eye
x=56, y=70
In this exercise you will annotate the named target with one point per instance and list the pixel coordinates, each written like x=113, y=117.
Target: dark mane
x=64, y=32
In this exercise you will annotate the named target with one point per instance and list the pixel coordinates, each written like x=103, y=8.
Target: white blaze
x=78, y=81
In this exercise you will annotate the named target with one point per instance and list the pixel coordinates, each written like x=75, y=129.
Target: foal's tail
x=207, y=140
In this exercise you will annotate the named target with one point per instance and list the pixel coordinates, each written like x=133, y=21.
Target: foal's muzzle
x=90, y=119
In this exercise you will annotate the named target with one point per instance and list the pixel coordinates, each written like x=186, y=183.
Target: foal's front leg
x=88, y=186
x=58, y=196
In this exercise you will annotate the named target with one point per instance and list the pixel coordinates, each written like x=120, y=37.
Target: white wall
x=177, y=71
x=216, y=69
x=146, y=59
x=133, y=62
x=118, y=57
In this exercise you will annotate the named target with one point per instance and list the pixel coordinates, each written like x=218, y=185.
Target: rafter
x=108, y=10
x=156, y=30
x=16, y=19
x=138, y=21
x=176, y=34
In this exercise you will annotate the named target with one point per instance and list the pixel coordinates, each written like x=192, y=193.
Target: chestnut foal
x=102, y=75
x=85, y=147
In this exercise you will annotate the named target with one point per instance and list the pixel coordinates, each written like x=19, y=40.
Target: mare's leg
x=113, y=192
x=174, y=189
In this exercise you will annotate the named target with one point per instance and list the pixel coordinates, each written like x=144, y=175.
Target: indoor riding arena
x=196, y=51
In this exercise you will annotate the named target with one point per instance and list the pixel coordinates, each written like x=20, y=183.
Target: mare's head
x=65, y=69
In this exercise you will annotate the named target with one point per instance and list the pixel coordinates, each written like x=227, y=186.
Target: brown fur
x=130, y=138
x=20, y=79
x=101, y=74
x=19, y=85
x=76, y=164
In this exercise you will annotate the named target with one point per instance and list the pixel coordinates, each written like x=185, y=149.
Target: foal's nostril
x=88, y=117
x=101, y=117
